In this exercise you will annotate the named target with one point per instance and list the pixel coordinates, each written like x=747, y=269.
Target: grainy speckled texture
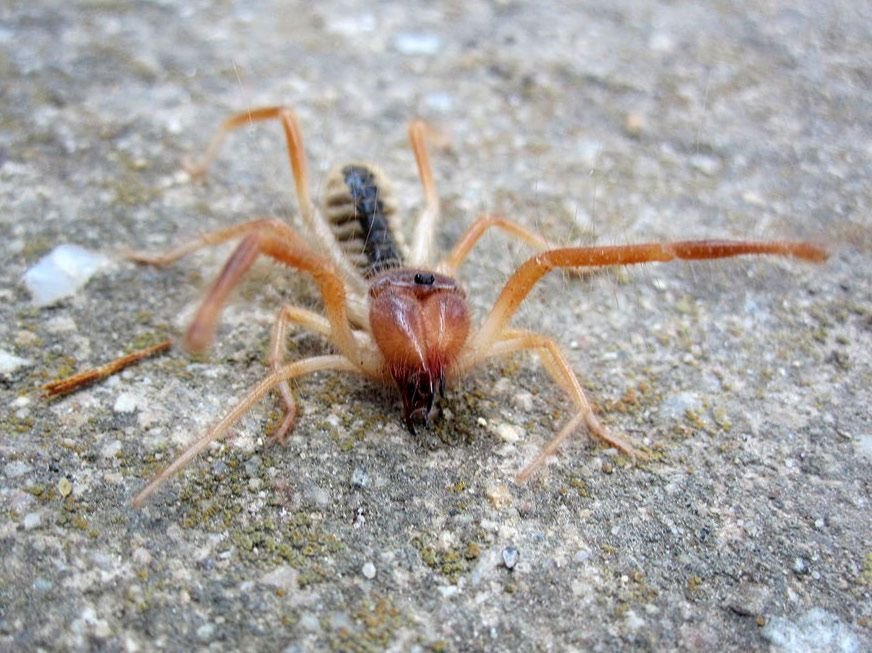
x=617, y=122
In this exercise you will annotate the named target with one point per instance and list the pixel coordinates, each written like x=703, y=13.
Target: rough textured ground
x=617, y=122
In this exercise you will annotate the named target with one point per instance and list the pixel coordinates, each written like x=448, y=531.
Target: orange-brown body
x=420, y=322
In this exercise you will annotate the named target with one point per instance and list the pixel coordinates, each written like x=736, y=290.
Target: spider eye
x=424, y=279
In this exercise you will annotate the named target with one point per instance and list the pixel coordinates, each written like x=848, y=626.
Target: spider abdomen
x=359, y=209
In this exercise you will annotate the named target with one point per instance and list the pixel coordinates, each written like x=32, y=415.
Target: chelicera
x=394, y=314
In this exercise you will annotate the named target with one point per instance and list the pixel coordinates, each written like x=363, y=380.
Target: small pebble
x=417, y=43
x=10, y=362
x=219, y=468
x=582, y=555
x=863, y=445
x=674, y=407
x=61, y=272
x=252, y=465
x=205, y=632
x=111, y=449
x=284, y=578
x=499, y=495
x=368, y=570
x=510, y=557
x=359, y=478
x=507, y=432
x=439, y=102
x=309, y=621
x=523, y=401
x=65, y=487
x=800, y=566
x=42, y=584
x=634, y=124
x=661, y=42
x=31, y=521
x=127, y=402
x=815, y=630
x=707, y=165
x=16, y=468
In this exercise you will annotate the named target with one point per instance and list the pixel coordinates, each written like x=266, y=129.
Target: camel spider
x=394, y=318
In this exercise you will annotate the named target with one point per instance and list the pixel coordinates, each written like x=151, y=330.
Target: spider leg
x=356, y=309
x=422, y=241
x=293, y=370
x=280, y=242
x=290, y=315
x=293, y=136
x=277, y=240
x=210, y=239
x=558, y=368
x=297, y=156
x=528, y=274
x=455, y=259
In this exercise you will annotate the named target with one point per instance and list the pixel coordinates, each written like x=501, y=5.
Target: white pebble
x=815, y=630
x=439, y=102
x=10, y=362
x=675, y=407
x=863, y=445
x=61, y=272
x=16, y=468
x=510, y=555
x=523, y=401
x=352, y=25
x=417, y=43
x=368, y=570
x=111, y=449
x=707, y=165
x=582, y=555
x=507, y=432
x=206, y=632
x=126, y=402
x=31, y=521
x=283, y=577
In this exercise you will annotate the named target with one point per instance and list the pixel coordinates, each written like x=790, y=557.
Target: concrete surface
x=606, y=121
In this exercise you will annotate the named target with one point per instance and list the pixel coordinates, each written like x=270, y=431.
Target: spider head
x=420, y=322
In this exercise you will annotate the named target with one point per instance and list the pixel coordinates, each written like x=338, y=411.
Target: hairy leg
x=277, y=240
x=293, y=137
x=528, y=274
x=290, y=315
x=217, y=432
x=210, y=239
x=297, y=156
x=461, y=250
x=355, y=308
x=422, y=241
x=555, y=363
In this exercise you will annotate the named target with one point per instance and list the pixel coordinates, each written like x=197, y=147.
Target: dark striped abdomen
x=359, y=209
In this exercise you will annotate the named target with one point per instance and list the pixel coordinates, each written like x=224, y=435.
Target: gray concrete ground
x=606, y=122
